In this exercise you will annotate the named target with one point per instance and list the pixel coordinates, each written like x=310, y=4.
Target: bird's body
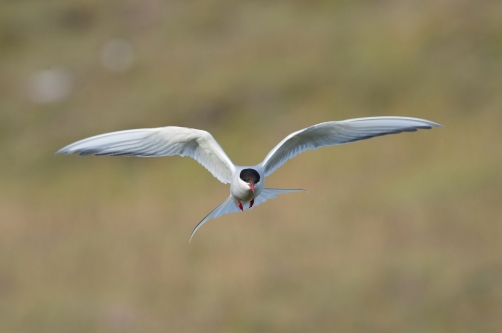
x=246, y=182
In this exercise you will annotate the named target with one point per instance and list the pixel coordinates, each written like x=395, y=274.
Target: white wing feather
x=337, y=133
x=155, y=142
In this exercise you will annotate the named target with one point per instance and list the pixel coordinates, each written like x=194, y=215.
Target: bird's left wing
x=337, y=133
x=163, y=141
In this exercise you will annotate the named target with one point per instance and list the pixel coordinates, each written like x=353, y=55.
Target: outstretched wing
x=155, y=142
x=228, y=206
x=337, y=133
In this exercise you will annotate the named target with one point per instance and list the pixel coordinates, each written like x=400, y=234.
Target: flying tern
x=246, y=182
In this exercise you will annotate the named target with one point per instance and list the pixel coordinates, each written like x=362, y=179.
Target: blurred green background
x=397, y=234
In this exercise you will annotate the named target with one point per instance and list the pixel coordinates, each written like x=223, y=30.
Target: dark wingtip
x=61, y=151
x=88, y=152
x=433, y=124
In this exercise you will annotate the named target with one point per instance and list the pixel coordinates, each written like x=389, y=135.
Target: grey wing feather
x=155, y=142
x=337, y=133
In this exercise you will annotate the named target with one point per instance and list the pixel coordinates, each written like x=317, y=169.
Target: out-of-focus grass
x=397, y=234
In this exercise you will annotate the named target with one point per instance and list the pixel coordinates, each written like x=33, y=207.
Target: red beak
x=252, y=187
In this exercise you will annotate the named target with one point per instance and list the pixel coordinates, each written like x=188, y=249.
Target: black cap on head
x=250, y=176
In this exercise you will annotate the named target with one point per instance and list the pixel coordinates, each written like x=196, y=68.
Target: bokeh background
x=397, y=234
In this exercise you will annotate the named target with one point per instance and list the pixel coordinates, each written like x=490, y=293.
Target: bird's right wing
x=339, y=132
x=162, y=141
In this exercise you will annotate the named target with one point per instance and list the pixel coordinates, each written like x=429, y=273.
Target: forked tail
x=230, y=205
x=271, y=193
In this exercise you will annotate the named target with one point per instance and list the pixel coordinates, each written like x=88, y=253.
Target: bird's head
x=251, y=177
